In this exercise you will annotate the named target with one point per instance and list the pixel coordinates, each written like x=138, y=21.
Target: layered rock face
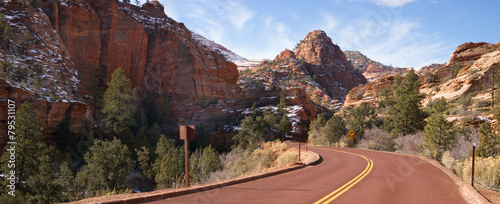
x=327, y=61
x=50, y=114
x=158, y=54
x=471, y=68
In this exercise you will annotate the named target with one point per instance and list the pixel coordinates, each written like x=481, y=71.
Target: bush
x=487, y=172
x=376, y=139
x=409, y=144
x=481, y=104
x=463, y=145
x=287, y=157
x=448, y=161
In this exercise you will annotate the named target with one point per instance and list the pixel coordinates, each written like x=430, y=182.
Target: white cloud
x=391, y=3
x=399, y=42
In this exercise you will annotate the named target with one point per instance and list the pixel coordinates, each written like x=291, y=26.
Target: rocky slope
x=469, y=70
x=371, y=69
x=328, y=63
x=315, y=65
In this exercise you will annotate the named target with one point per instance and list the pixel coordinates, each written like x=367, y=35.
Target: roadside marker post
x=186, y=134
x=473, y=161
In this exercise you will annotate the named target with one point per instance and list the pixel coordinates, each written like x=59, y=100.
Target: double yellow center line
x=333, y=195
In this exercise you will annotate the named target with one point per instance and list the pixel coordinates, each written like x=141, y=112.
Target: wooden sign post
x=186, y=133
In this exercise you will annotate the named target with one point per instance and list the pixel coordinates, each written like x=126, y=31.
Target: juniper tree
x=109, y=164
x=335, y=129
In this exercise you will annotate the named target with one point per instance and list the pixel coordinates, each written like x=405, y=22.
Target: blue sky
x=404, y=33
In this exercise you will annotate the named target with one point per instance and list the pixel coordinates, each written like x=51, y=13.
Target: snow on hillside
x=213, y=46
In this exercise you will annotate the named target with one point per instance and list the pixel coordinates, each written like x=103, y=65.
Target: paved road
x=344, y=176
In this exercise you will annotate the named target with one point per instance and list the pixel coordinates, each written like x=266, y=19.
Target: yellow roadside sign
x=351, y=133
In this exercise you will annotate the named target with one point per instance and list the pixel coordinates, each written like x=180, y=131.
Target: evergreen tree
x=438, y=135
x=66, y=180
x=119, y=103
x=282, y=104
x=250, y=133
x=34, y=162
x=441, y=106
x=317, y=123
x=7, y=36
x=489, y=142
x=171, y=169
x=285, y=127
x=43, y=186
x=335, y=129
x=25, y=41
x=146, y=176
x=28, y=148
x=204, y=162
x=109, y=166
x=362, y=118
x=405, y=116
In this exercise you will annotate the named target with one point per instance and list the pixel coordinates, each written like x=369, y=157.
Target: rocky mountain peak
x=155, y=9
x=318, y=49
x=287, y=54
x=371, y=69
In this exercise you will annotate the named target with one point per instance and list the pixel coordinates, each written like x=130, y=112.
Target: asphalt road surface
x=344, y=176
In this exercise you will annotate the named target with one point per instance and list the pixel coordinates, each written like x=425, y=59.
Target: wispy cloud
x=395, y=41
x=391, y=3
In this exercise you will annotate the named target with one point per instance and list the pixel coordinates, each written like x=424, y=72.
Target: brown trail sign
x=186, y=134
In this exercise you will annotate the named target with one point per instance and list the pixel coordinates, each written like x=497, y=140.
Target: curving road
x=344, y=176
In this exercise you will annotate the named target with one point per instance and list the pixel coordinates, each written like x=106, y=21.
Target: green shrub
x=481, y=104
x=487, y=172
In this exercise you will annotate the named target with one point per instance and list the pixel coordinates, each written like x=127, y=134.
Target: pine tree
x=405, y=116
x=439, y=135
x=146, y=176
x=282, y=104
x=362, y=118
x=7, y=36
x=317, y=123
x=335, y=129
x=43, y=187
x=284, y=127
x=441, y=106
x=34, y=161
x=119, y=107
x=66, y=180
x=25, y=41
x=109, y=164
x=489, y=142
x=250, y=133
